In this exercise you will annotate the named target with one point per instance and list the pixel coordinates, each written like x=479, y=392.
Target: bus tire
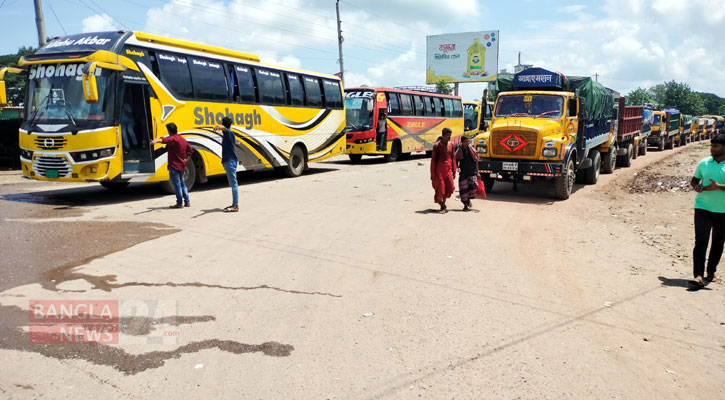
x=592, y=174
x=189, y=178
x=355, y=158
x=115, y=186
x=428, y=153
x=564, y=184
x=627, y=158
x=609, y=160
x=394, y=152
x=296, y=163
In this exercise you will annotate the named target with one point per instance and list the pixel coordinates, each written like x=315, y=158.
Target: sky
x=627, y=43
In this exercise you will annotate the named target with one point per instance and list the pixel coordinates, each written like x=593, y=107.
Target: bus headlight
x=26, y=154
x=549, y=152
x=90, y=155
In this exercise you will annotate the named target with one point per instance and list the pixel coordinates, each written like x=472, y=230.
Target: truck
x=696, y=126
x=475, y=120
x=548, y=128
x=685, y=130
x=665, y=126
x=628, y=127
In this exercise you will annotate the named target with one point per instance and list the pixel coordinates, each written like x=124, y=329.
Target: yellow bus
x=96, y=100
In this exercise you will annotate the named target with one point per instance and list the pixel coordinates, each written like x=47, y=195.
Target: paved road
x=344, y=283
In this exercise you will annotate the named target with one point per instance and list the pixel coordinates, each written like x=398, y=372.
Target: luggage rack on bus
x=429, y=89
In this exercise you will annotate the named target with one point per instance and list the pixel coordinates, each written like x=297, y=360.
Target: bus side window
x=233, y=85
x=210, y=82
x=296, y=90
x=333, y=96
x=175, y=75
x=271, y=90
x=457, y=108
x=418, y=105
x=428, y=103
x=406, y=104
x=313, y=94
x=448, y=108
x=393, y=104
x=245, y=81
x=437, y=107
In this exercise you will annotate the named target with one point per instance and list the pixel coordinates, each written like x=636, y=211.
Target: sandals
x=231, y=209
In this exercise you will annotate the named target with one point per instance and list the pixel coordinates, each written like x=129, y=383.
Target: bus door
x=136, y=129
x=381, y=114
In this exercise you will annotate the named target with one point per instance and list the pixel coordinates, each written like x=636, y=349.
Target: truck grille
x=41, y=166
x=521, y=144
x=50, y=142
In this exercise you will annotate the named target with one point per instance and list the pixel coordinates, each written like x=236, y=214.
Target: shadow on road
x=689, y=284
x=379, y=160
x=95, y=194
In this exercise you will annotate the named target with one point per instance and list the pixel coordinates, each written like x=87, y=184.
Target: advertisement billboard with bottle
x=462, y=57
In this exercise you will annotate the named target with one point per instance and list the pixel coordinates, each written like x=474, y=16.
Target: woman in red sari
x=443, y=169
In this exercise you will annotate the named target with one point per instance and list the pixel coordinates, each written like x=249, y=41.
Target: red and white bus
x=395, y=122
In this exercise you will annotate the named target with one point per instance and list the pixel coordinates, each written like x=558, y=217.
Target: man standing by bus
x=382, y=131
x=229, y=160
x=178, y=153
x=709, y=183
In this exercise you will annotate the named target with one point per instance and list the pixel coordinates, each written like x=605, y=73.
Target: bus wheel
x=355, y=158
x=296, y=163
x=564, y=183
x=428, y=153
x=394, y=152
x=189, y=178
x=115, y=186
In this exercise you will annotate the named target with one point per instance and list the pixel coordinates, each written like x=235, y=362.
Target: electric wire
x=50, y=4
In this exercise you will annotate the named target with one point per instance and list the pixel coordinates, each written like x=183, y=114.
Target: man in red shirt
x=178, y=152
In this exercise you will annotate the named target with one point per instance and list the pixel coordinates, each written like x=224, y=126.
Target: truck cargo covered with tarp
x=673, y=120
x=598, y=101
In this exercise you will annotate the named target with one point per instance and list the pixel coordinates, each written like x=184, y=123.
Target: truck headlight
x=482, y=149
x=549, y=152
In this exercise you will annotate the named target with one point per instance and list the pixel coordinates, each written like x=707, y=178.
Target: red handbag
x=481, y=191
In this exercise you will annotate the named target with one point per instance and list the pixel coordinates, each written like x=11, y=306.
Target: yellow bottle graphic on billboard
x=476, y=58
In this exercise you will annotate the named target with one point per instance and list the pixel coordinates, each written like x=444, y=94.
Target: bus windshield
x=470, y=117
x=536, y=105
x=60, y=99
x=359, y=113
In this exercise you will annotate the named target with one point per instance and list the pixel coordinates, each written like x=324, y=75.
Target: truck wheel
x=563, y=184
x=609, y=160
x=642, y=149
x=355, y=158
x=488, y=183
x=661, y=144
x=592, y=174
x=296, y=163
x=635, y=152
x=627, y=158
x=669, y=145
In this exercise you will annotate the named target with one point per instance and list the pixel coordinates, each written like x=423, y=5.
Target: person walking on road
x=709, y=183
x=178, y=152
x=467, y=160
x=229, y=160
x=443, y=169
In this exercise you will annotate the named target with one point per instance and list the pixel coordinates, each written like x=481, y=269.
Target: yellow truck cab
x=550, y=128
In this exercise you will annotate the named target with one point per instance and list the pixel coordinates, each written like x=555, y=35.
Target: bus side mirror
x=90, y=89
x=3, y=95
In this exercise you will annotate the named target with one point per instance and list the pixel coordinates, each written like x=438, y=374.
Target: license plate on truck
x=510, y=166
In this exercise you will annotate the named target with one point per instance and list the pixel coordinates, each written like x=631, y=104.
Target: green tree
x=657, y=93
x=639, y=96
x=712, y=102
x=443, y=87
x=15, y=84
x=721, y=110
x=695, y=105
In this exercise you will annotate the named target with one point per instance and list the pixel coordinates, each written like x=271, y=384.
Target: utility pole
x=339, y=43
x=596, y=77
x=39, y=22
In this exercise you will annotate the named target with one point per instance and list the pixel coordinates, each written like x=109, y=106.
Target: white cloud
x=572, y=9
x=98, y=23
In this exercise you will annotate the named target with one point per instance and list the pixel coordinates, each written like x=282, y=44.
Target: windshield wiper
x=70, y=116
x=35, y=114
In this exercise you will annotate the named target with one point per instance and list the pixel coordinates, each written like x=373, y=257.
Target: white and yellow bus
x=96, y=100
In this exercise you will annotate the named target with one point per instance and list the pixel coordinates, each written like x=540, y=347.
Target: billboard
x=462, y=57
